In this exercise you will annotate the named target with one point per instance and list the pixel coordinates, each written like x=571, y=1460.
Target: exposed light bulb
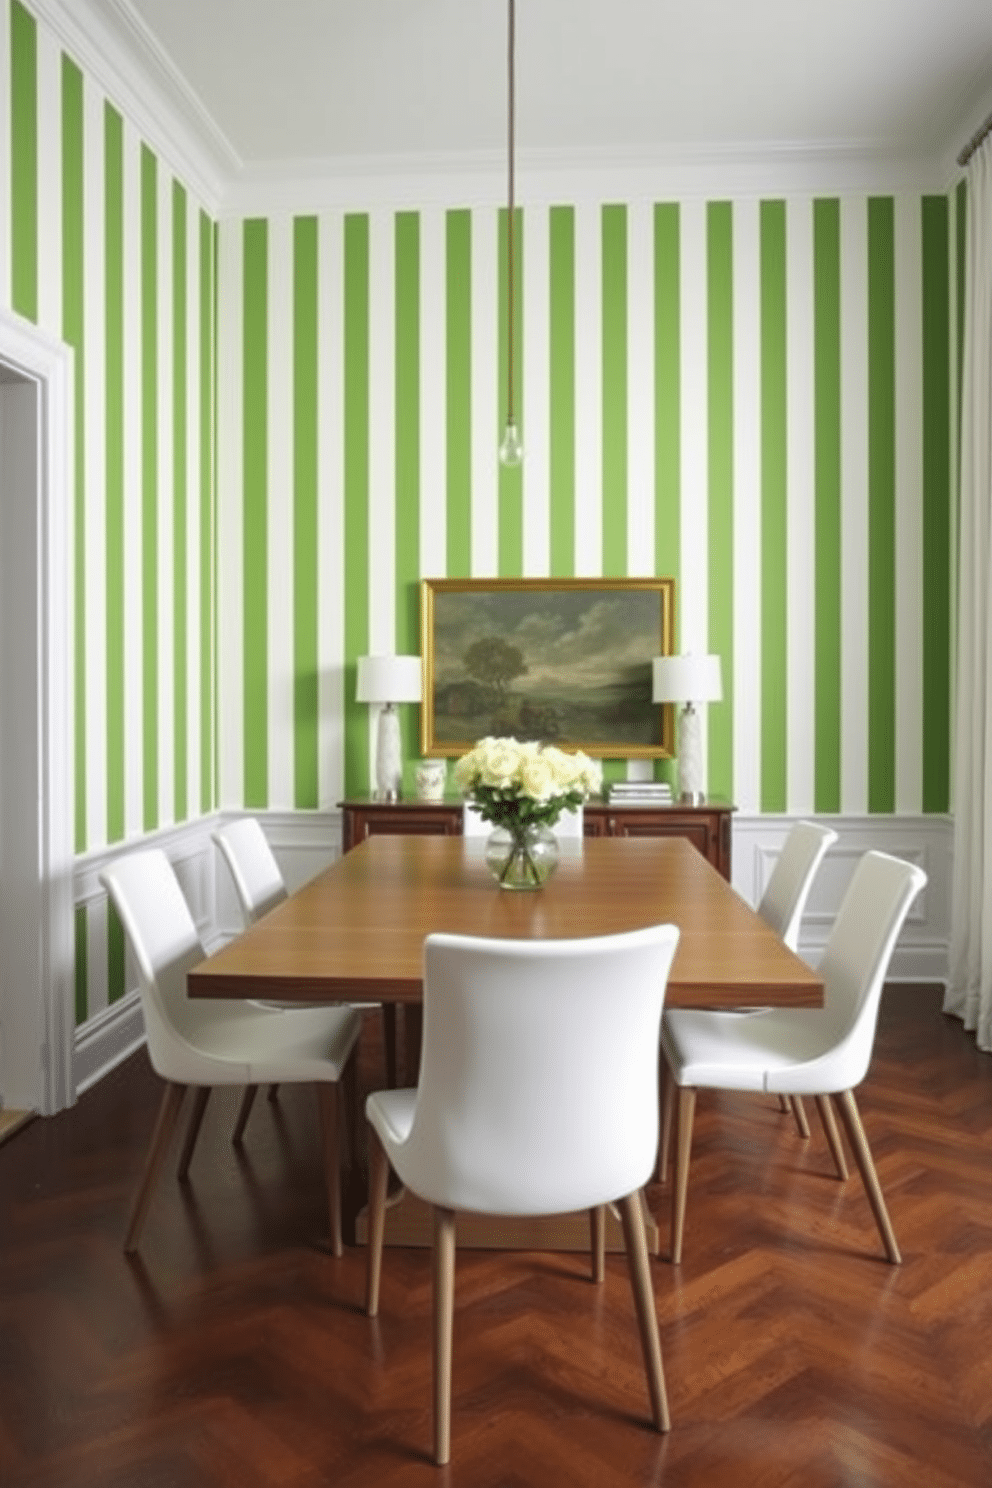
x=511, y=451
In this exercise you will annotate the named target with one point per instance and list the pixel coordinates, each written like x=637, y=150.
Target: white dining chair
x=257, y=876
x=201, y=1044
x=569, y=824
x=781, y=906
x=823, y=1052
x=538, y=1094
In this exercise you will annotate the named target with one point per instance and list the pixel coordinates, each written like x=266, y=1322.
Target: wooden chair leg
x=851, y=1118
x=192, y=1131
x=273, y=1092
x=667, y=1113
x=685, y=1111
x=328, y=1097
x=799, y=1112
x=389, y=1041
x=349, y=1109
x=783, y=1105
x=244, y=1111
x=378, y=1183
x=829, y=1123
x=444, y=1312
x=165, y=1125
x=597, y=1238
x=635, y=1243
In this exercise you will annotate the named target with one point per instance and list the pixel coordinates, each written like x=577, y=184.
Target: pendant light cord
x=510, y=109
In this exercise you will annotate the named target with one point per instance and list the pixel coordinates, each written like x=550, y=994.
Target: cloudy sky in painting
x=584, y=639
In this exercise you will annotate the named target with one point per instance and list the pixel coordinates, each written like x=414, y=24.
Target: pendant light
x=510, y=449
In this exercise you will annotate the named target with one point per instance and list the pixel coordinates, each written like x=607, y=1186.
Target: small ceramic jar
x=432, y=778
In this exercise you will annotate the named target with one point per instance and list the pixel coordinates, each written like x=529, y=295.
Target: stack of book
x=640, y=793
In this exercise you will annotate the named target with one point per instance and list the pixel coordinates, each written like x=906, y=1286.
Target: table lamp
x=388, y=680
x=688, y=679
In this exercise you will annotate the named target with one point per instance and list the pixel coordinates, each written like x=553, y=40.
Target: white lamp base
x=691, y=756
x=388, y=755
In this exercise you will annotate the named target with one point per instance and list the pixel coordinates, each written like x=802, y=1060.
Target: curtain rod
x=975, y=141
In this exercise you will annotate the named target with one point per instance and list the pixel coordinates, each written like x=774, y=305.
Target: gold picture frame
x=567, y=661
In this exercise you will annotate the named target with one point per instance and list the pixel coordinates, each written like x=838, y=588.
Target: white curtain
x=969, y=992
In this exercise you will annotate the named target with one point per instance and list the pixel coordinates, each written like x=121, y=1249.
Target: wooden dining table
x=355, y=933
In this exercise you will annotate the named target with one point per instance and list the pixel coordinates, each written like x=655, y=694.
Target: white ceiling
x=297, y=81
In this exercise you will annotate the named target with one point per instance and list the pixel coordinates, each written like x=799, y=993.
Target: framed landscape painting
x=566, y=661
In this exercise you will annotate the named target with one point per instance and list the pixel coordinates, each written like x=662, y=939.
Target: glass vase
x=522, y=857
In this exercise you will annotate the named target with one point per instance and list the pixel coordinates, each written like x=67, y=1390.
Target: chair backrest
x=569, y=824
x=858, y=953
x=538, y=1089
x=253, y=867
x=787, y=890
x=164, y=942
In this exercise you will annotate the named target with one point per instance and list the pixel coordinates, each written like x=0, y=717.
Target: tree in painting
x=495, y=663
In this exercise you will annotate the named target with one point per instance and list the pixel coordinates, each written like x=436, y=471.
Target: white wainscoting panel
x=921, y=953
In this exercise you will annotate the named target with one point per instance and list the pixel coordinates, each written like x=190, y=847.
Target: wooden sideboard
x=707, y=826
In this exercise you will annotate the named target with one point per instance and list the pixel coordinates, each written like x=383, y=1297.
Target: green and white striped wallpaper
x=756, y=396
x=101, y=245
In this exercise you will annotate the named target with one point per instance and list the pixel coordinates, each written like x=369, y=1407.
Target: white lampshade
x=687, y=679
x=389, y=679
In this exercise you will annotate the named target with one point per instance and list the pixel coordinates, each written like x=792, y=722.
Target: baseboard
x=107, y=1040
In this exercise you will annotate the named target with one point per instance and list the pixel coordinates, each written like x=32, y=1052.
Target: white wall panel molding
x=921, y=954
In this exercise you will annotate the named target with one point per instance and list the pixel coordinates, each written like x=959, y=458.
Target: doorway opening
x=36, y=902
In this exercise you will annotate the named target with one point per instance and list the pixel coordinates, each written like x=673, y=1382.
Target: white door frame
x=37, y=931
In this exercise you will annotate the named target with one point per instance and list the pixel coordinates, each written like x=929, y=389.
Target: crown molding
x=113, y=44
x=108, y=39
x=477, y=180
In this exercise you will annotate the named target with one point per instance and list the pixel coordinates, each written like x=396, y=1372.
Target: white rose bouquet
x=517, y=786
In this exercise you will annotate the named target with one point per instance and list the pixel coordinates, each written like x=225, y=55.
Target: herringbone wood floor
x=235, y=1350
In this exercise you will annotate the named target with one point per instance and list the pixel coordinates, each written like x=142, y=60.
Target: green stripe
x=667, y=413
x=614, y=453
x=356, y=493
x=73, y=327
x=24, y=161
x=961, y=252
x=180, y=640
x=255, y=536
x=881, y=506
x=720, y=407
x=827, y=498
x=510, y=478
x=116, y=966
x=407, y=455
x=114, y=441
x=149, y=485
x=458, y=388
x=305, y=713
x=561, y=391
x=207, y=617
x=82, y=965
x=774, y=593
x=936, y=720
